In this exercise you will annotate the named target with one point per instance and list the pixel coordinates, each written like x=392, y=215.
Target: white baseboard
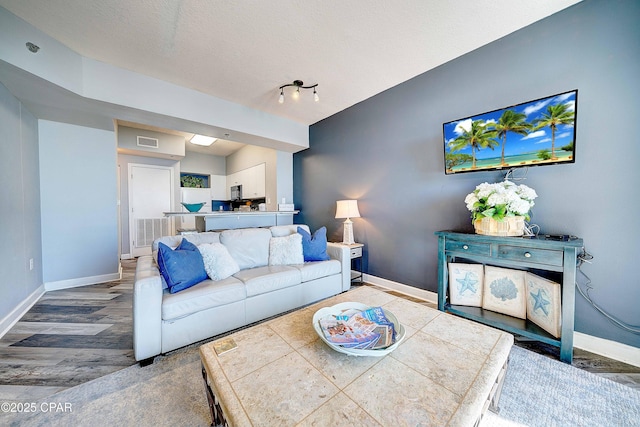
x=402, y=288
x=126, y=256
x=607, y=348
x=82, y=281
x=21, y=309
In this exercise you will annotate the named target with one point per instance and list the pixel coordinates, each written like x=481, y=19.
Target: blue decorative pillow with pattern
x=182, y=267
x=314, y=248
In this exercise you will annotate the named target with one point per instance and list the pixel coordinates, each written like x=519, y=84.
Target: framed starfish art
x=544, y=303
x=466, y=284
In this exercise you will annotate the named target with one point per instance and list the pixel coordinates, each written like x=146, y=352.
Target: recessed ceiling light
x=202, y=140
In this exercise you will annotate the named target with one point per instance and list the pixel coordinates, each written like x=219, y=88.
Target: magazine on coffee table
x=359, y=329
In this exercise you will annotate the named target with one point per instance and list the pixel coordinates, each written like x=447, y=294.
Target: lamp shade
x=347, y=209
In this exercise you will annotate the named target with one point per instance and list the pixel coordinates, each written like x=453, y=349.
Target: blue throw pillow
x=182, y=267
x=314, y=248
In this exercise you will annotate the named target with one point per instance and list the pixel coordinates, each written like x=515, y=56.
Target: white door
x=150, y=194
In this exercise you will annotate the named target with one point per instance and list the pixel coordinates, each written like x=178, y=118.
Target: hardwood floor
x=67, y=338
x=76, y=335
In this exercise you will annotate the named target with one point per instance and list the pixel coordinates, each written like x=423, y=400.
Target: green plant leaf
x=489, y=212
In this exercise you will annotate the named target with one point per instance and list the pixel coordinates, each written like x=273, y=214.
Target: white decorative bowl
x=339, y=308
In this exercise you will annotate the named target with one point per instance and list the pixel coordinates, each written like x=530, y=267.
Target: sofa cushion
x=182, y=267
x=286, y=250
x=314, y=247
x=173, y=241
x=204, y=295
x=261, y=280
x=218, y=263
x=285, y=230
x=248, y=246
x=317, y=269
x=196, y=239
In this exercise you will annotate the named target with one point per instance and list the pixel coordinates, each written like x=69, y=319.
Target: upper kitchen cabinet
x=252, y=180
x=256, y=178
x=218, y=187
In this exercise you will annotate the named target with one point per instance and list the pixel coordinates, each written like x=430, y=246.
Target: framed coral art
x=544, y=304
x=465, y=284
x=504, y=291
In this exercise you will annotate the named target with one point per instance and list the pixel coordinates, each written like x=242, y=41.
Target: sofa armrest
x=343, y=254
x=147, y=309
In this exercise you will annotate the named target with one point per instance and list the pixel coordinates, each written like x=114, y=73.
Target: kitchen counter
x=228, y=213
x=223, y=220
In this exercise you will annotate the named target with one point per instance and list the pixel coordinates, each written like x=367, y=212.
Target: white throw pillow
x=286, y=250
x=218, y=263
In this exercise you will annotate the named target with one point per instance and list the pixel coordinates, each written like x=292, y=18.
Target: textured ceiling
x=243, y=50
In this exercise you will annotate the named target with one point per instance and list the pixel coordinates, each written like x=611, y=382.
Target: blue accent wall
x=387, y=152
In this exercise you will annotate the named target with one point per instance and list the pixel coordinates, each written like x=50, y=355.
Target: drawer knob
x=527, y=255
x=465, y=247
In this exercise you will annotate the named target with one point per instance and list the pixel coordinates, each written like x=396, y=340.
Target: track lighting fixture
x=298, y=84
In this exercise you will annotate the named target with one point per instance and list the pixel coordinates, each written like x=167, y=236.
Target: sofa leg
x=146, y=362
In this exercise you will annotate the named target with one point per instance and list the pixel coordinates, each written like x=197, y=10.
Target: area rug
x=537, y=391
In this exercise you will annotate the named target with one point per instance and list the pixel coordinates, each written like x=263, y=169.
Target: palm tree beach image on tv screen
x=534, y=133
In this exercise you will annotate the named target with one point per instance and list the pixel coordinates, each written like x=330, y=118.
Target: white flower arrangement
x=500, y=200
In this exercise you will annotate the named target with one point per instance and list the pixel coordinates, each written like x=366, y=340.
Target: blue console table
x=554, y=259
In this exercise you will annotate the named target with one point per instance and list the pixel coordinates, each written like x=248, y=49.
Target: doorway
x=150, y=195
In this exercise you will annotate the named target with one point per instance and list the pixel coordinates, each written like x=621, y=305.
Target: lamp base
x=347, y=233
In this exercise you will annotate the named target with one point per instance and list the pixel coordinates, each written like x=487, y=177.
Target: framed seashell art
x=504, y=291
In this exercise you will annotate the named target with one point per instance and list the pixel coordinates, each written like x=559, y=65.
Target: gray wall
x=205, y=164
x=169, y=146
x=19, y=204
x=284, y=178
x=79, y=202
x=387, y=152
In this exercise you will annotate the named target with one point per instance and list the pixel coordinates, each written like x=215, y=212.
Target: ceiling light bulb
x=296, y=94
x=315, y=95
x=281, y=99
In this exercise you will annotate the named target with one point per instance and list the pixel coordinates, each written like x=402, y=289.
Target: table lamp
x=347, y=209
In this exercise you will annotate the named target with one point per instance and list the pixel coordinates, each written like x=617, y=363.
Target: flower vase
x=509, y=226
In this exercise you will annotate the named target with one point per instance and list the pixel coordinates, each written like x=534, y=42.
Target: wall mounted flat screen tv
x=535, y=133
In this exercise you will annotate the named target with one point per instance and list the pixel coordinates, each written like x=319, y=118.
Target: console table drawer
x=470, y=248
x=537, y=256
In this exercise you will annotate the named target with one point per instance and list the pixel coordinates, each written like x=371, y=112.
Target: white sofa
x=164, y=321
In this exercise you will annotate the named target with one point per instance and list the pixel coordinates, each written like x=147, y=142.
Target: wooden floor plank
x=60, y=328
x=79, y=295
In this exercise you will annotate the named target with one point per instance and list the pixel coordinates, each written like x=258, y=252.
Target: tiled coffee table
x=446, y=371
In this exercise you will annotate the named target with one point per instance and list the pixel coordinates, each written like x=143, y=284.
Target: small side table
x=356, y=255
